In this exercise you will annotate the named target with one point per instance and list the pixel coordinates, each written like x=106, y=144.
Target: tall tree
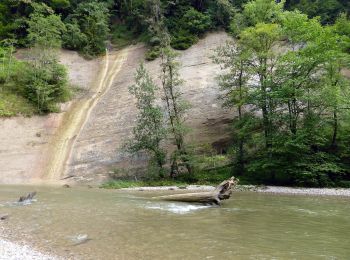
x=46, y=79
x=259, y=42
x=150, y=130
x=235, y=60
x=92, y=17
x=176, y=106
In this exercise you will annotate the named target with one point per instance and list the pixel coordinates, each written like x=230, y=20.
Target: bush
x=237, y=25
x=222, y=12
x=45, y=87
x=195, y=22
x=73, y=38
x=152, y=53
x=182, y=40
x=122, y=35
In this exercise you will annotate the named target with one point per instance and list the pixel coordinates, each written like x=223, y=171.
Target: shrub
x=195, y=22
x=152, y=53
x=122, y=35
x=73, y=38
x=182, y=40
x=45, y=87
x=237, y=25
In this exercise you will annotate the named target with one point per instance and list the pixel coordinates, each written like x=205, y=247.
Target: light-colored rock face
x=23, y=147
x=93, y=138
x=99, y=145
x=25, y=142
x=81, y=72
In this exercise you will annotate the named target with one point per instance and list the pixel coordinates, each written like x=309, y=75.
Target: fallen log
x=221, y=192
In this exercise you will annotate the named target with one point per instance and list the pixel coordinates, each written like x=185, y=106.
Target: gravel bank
x=19, y=251
x=177, y=188
x=262, y=189
x=305, y=191
x=12, y=251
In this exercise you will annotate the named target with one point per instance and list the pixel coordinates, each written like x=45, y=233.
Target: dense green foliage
x=284, y=77
x=150, y=130
x=155, y=125
x=89, y=24
x=41, y=82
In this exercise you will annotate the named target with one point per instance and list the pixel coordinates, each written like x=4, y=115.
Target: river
x=82, y=223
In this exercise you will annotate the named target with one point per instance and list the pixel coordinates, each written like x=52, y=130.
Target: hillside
x=29, y=144
x=193, y=91
x=25, y=141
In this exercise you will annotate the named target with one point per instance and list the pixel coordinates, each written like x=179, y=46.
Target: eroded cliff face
x=93, y=146
x=98, y=149
x=25, y=143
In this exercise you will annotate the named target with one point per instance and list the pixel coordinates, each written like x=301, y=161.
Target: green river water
x=131, y=225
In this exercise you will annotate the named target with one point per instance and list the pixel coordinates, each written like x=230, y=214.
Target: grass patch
x=12, y=104
x=120, y=184
x=204, y=177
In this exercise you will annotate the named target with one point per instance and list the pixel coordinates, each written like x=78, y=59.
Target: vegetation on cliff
x=283, y=75
x=40, y=82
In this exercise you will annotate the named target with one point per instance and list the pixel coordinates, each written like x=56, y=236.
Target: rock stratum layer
x=85, y=140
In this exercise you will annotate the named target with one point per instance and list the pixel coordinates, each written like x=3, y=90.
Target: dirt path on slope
x=75, y=119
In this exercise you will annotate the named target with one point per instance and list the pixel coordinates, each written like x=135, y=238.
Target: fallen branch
x=222, y=192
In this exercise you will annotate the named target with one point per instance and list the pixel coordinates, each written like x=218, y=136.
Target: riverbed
x=83, y=223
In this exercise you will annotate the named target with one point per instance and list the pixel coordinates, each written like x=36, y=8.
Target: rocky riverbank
x=252, y=188
x=12, y=251
x=20, y=251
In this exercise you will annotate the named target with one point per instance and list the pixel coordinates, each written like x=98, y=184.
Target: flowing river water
x=82, y=223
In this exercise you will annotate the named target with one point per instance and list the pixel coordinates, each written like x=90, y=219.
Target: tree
x=263, y=11
x=46, y=80
x=234, y=83
x=295, y=90
x=222, y=12
x=74, y=39
x=150, y=130
x=335, y=84
x=255, y=12
x=176, y=108
x=92, y=17
x=7, y=59
x=195, y=22
x=259, y=42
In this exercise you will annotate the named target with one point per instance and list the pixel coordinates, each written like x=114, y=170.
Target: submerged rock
x=4, y=217
x=30, y=196
x=80, y=239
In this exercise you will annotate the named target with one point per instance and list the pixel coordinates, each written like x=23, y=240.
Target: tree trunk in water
x=222, y=192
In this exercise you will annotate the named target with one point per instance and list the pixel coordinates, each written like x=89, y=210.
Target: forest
x=283, y=72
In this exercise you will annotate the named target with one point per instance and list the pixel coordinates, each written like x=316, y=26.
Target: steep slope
x=98, y=149
x=74, y=120
x=85, y=141
x=25, y=142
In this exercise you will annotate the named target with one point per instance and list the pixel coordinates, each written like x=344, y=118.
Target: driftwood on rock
x=30, y=196
x=222, y=192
